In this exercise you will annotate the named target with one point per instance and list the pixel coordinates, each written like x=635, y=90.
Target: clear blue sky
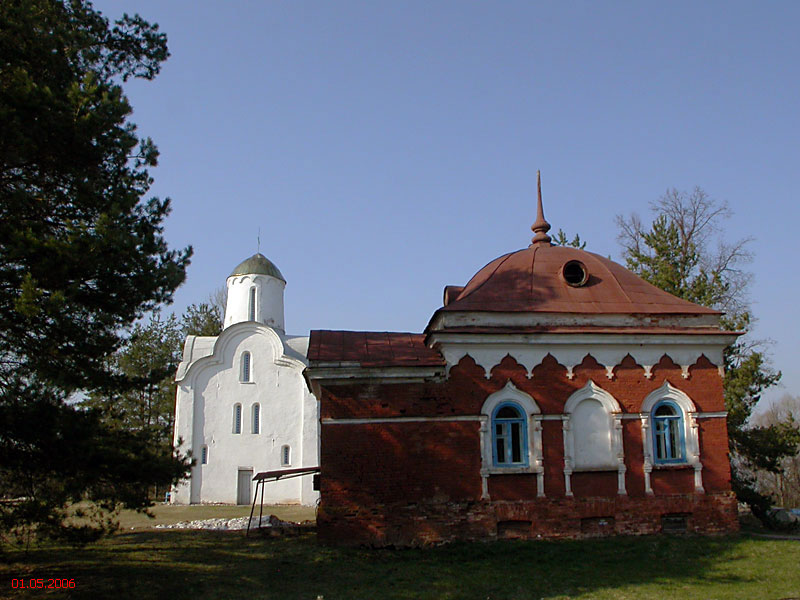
x=387, y=149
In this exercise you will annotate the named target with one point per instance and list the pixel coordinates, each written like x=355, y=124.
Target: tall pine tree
x=82, y=256
x=148, y=360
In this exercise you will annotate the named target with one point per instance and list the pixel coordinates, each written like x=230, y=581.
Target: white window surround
x=690, y=428
x=533, y=420
x=592, y=391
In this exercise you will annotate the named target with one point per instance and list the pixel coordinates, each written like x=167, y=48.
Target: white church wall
x=288, y=417
x=310, y=443
x=211, y=384
x=184, y=414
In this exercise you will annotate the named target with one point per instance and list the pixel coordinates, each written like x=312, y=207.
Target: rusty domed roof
x=559, y=279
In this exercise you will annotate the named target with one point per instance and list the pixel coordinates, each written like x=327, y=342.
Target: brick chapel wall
x=416, y=482
x=415, y=462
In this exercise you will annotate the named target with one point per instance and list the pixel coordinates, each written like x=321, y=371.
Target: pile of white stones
x=221, y=524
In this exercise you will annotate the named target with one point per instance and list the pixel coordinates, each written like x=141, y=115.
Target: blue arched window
x=669, y=444
x=509, y=436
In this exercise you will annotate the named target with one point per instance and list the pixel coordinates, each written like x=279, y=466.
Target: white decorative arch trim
x=691, y=431
x=667, y=392
x=593, y=391
x=615, y=459
x=510, y=393
x=570, y=351
x=533, y=415
x=232, y=336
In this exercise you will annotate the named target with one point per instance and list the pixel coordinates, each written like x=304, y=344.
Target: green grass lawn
x=174, y=564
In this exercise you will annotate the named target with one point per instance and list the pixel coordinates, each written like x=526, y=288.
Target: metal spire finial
x=540, y=227
x=258, y=238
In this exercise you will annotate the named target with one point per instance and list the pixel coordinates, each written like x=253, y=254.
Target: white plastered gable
x=228, y=342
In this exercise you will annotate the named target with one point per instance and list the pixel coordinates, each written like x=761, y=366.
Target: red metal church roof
x=531, y=280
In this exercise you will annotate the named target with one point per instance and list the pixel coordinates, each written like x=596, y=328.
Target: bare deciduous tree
x=698, y=220
x=219, y=299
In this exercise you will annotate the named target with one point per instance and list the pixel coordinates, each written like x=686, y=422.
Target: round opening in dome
x=574, y=273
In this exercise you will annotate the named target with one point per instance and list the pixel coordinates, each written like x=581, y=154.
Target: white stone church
x=242, y=404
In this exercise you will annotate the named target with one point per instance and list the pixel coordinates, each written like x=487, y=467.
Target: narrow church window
x=245, y=378
x=237, y=418
x=251, y=309
x=256, y=418
x=285, y=456
x=668, y=437
x=509, y=436
x=204, y=455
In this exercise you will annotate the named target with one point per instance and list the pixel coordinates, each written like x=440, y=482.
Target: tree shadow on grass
x=206, y=564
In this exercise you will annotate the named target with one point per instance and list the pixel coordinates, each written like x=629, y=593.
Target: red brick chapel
x=556, y=394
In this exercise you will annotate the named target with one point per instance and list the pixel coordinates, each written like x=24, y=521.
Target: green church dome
x=258, y=264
